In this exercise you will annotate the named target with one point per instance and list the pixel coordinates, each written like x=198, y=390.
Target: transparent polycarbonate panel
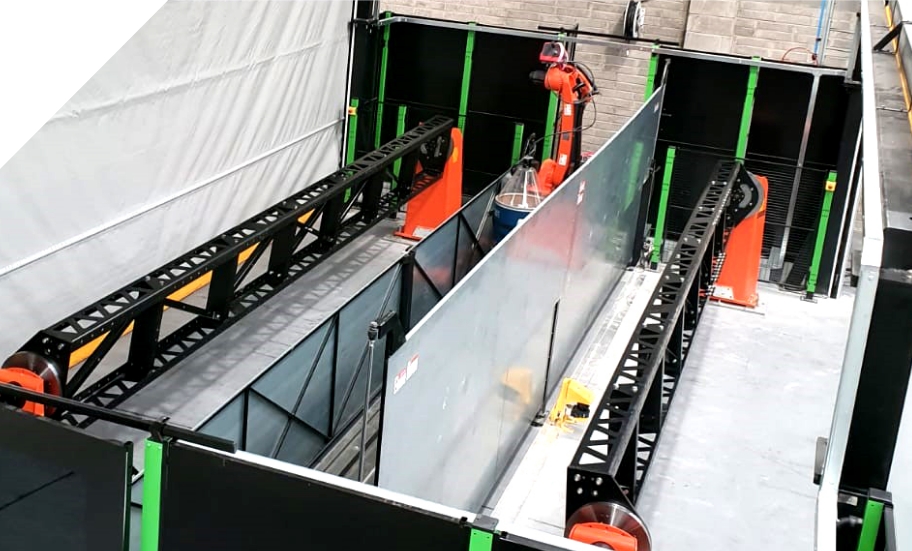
x=228, y=422
x=265, y=423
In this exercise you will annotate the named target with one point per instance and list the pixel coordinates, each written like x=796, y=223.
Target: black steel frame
x=619, y=444
x=293, y=247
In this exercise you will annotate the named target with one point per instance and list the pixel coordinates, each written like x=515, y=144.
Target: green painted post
x=352, y=131
x=151, y=510
x=381, y=92
x=651, y=76
x=480, y=540
x=663, y=207
x=550, y=122
x=466, y=79
x=747, y=113
x=548, y=141
x=517, y=142
x=400, y=130
x=352, y=135
x=821, y=235
x=870, y=525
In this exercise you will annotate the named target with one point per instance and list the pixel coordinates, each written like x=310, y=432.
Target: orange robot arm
x=575, y=88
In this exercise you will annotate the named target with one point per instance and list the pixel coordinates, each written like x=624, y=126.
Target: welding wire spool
x=41, y=366
x=612, y=514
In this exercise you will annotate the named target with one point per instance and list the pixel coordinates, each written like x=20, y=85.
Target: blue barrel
x=507, y=215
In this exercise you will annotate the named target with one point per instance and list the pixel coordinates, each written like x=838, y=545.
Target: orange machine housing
x=437, y=203
x=595, y=533
x=29, y=381
x=737, y=283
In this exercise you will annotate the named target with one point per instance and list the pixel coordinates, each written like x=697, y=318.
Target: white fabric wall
x=209, y=114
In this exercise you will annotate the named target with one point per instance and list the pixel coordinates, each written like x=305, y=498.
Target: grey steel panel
x=195, y=390
x=604, y=227
x=474, y=368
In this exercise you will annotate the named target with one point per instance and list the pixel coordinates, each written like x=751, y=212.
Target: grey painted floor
x=734, y=465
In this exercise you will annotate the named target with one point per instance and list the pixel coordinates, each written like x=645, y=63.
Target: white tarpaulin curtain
x=212, y=112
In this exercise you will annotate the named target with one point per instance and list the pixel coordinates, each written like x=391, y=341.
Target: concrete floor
x=734, y=465
x=736, y=456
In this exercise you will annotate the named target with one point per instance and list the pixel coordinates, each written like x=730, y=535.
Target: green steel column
x=381, y=92
x=747, y=113
x=151, y=510
x=352, y=135
x=821, y=234
x=400, y=130
x=466, y=79
x=651, y=76
x=663, y=207
x=352, y=131
x=870, y=525
x=548, y=139
x=517, y=142
x=481, y=540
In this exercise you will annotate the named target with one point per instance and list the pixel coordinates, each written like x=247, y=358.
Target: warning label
x=405, y=374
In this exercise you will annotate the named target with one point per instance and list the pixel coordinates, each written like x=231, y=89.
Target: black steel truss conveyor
x=618, y=446
x=342, y=206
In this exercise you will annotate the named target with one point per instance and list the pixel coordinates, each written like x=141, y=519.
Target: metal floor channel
x=735, y=461
x=196, y=388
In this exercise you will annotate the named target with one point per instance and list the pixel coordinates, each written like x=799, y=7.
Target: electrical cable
x=531, y=144
x=800, y=48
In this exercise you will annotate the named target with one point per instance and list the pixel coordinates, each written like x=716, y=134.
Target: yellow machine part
x=571, y=392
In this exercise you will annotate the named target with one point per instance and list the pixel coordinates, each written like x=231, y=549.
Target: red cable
x=790, y=50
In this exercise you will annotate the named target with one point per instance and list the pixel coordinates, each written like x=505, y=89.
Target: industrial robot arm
x=575, y=87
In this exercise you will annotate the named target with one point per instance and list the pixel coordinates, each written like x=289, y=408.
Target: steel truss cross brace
x=292, y=246
x=618, y=446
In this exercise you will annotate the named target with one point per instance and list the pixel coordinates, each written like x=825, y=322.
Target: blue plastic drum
x=508, y=212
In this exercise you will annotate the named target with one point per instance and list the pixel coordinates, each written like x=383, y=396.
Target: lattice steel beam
x=619, y=444
x=294, y=247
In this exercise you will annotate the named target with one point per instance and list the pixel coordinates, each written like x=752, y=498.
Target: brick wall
x=765, y=28
x=770, y=29
x=620, y=72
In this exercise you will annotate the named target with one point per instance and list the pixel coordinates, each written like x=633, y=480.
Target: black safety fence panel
x=224, y=502
x=60, y=488
x=425, y=70
x=691, y=167
x=701, y=119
